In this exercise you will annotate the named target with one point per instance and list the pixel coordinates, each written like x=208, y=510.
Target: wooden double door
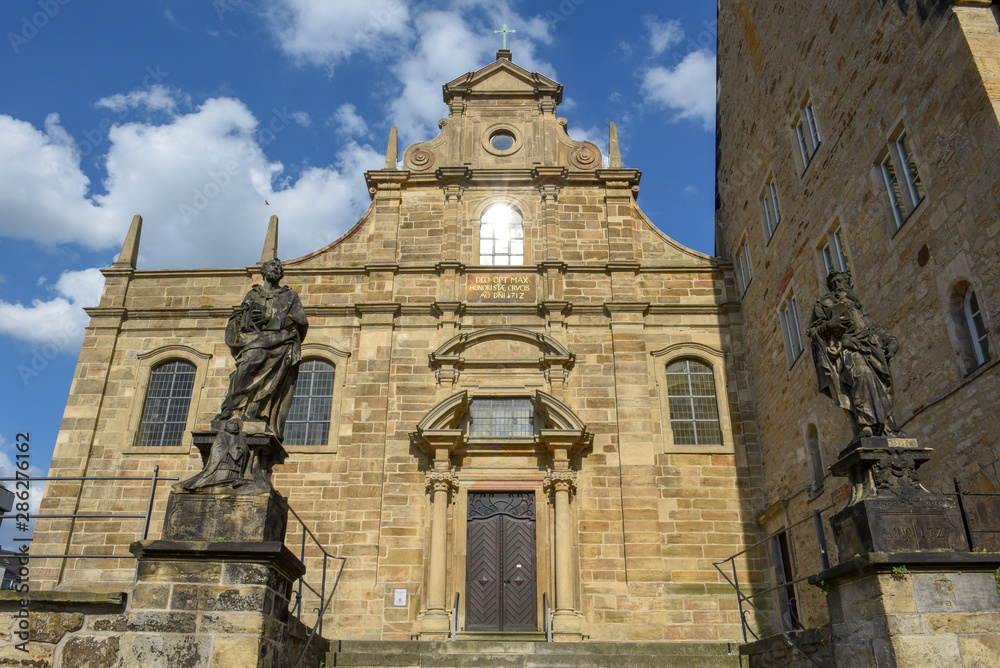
x=501, y=580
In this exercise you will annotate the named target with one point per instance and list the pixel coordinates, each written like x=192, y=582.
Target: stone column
x=437, y=619
x=565, y=621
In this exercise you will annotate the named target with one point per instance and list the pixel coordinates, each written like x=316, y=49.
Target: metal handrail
x=154, y=479
x=454, y=619
x=743, y=598
x=322, y=609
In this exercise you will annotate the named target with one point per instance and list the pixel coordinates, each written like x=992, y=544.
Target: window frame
x=742, y=267
x=832, y=252
x=311, y=397
x=785, y=325
x=519, y=211
x=338, y=406
x=979, y=338
x=146, y=362
x=900, y=177
x=807, y=135
x=716, y=360
x=770, y=207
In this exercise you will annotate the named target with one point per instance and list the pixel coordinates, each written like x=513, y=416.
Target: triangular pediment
x=502, y=78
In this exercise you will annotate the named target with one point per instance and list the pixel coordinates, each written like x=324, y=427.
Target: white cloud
x=302, y=118
x=58, y=322
x=324, y=33
x=663, y=35
x=347, y=121
x=687, y=89
x=690, y=190
x=199, y=180
x=155, y=98
x=45, y=193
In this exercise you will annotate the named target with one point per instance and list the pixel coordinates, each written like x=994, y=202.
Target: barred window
x=501, y=236
x=168, y=399
x=694, y=409
x=501, y=418
x=309, y=416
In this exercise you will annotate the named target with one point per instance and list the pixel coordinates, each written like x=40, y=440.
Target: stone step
x=519, y=654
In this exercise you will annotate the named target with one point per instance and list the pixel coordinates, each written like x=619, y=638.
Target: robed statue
x=852, y=354
x=228, y=460
x=265, y=336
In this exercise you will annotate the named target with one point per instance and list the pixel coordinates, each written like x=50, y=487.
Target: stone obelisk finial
x=614, y=152
x=392, y=150
x=130, y=249
x=270, y=241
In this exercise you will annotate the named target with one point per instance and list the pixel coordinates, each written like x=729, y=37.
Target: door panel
x=483, y=588
x=501, y=562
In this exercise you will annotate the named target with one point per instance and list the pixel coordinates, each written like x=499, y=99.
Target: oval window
x=502, y=140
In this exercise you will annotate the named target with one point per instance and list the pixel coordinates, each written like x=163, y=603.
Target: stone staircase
x=508, y=654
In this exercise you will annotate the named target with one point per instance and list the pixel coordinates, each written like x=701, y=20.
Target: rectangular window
x=501, y=418
x=806, y=133
x=769, y=203
x=901, y=179
x=742, y=267
x=790, y=328
x=833, y=254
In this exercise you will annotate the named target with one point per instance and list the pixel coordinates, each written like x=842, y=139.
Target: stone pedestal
x=912, y=594
x=938, y=609
x=889, y=511
x=214, y=591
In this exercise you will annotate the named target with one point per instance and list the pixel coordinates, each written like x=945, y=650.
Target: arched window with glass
x=501, y=236
x=168, y=400
x=309, y=416
x=693, y=404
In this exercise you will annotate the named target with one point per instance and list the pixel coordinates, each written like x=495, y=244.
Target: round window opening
x=502, y=140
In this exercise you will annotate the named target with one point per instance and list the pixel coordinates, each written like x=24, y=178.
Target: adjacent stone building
x=515, y=388
x=863, y=136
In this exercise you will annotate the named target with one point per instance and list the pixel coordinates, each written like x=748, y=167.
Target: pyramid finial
x=130, y=249
x=392, y=151
x=614, y=152
x=270, y=241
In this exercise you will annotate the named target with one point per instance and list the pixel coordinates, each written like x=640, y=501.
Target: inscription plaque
x=501, y=288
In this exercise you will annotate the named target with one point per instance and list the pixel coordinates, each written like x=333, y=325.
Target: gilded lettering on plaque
x=501, y=288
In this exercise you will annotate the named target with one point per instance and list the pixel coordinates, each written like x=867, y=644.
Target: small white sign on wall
x=400, y=598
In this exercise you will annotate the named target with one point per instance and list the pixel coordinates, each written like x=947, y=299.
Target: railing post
x=322, y=597
x=739, y=599
x=965, y=516
x=821, y=537
x=149, y=504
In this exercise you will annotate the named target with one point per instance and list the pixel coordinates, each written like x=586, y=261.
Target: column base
x=435, y=625
x=567, y=626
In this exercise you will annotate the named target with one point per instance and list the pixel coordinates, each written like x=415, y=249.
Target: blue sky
x=194, y=113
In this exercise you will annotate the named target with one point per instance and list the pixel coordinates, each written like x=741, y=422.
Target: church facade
x=514, y=389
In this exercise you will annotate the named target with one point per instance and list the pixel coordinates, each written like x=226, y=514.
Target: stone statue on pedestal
x=852, y=354
x=265, y=336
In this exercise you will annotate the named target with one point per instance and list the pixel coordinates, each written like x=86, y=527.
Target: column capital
x=560, y=481
x=441, y=481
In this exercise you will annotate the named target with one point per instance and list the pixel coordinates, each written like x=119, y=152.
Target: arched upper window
x=977, y=328
x=309, y=416
x=694, y=408
x=968, y=327
x=501, y=236
x=168, y=400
